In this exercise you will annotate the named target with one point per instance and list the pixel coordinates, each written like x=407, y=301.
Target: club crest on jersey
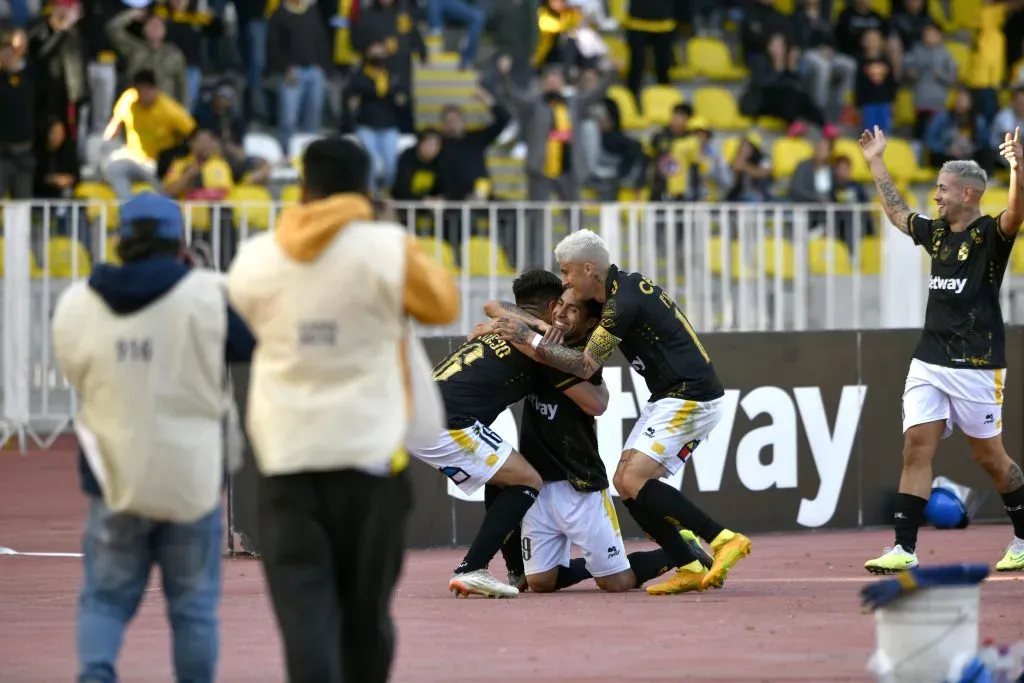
x=945, y=253
x=963, y=252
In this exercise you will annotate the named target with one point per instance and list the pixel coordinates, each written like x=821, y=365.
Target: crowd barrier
x=810, y=438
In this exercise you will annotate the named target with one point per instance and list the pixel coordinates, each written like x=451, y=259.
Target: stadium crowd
x=206, y=101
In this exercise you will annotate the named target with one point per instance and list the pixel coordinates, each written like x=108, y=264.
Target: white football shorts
x=970, y=398
x=469, y=457
x=670, y=429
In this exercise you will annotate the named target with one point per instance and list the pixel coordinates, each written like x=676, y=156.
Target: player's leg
x=983, y=425
x=661, y=441
x=545, y=547
x=926, y=413
x=512, y=547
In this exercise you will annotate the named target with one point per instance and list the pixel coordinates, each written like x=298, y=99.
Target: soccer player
x=959, y=368
x=477, y=382
x=685, y=405
x=560, y=440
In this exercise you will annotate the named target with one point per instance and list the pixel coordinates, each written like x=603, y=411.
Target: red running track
x=790, y=612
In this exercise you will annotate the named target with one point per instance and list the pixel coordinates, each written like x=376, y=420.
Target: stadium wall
x=811, y=438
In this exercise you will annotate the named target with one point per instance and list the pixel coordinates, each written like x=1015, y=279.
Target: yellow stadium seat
x=730, y=146
x=33, y=267
x=849, y=148
x=737, y=269
x=772, y=124
x=63, y=255
x=628, y=112
x=903, y=113
x=995, y=201
x=820, y=249
x=939, y=14
x=779, y=258
x=784, y=6
x=964, y=14
x=710, y=57
x=787, y=153
x=440, y=250
x=480, y=258
x=871, y=255
x=720, y=108
x=900, y=159
x=618, y=51
x=98, y=195
x=1017, y=261
x=291, y=194
x=961, y=55
x=682, y=70
x=251, y=205
x=199, y=215
x=657, y=101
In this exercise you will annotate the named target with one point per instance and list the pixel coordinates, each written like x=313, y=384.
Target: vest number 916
x=134, y=350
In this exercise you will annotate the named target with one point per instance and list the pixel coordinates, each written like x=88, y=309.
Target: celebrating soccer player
x=685, y=405
x=959, y=368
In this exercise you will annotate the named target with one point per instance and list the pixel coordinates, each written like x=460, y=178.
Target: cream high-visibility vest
x=152, y=395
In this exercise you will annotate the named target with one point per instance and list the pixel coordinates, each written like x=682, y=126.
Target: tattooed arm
x=505, y=309
x=580, y=363
x=893, y=204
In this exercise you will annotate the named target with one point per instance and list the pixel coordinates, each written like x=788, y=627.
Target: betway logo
x=955, y=284
x=548, y=410
x=830, y=446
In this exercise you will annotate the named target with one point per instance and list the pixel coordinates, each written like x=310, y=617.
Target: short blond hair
x=583, y=246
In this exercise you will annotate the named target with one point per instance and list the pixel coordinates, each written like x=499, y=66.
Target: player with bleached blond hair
x=640, y=319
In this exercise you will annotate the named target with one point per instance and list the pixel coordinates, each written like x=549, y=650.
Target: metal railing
x=731, y=267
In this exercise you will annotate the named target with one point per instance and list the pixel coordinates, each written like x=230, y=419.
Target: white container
x=922, y=632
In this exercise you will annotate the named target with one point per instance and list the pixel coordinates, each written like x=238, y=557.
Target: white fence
x=732, y=267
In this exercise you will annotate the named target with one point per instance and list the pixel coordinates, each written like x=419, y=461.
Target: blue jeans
x=301, y=102
x=877, y=115
x=120, y=551
x=194, y=77
x=472, y=18
x=252, y=38
x=382, y=145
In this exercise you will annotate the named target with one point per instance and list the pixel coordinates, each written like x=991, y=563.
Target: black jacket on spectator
x=395, y=26
x=812, y=32
x=229, y=126
x=464, y=159
x=377, y=91
x=63, y=160
x=186, y=30
x=852, y=25
x=417, y=179
x=297, y=39
x=909, y=27
x=866, y=91
x=17, y=111
x=93, y=27
x=59, y=58
x=512, y=26
x=760, y=22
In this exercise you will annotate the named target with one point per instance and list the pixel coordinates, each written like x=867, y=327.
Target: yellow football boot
x=1013, y=560
x=729, y=548
x=893, y=561
x=686, y=580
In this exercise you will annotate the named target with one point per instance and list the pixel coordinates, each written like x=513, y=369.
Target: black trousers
x=332, y=546
x=661, y=44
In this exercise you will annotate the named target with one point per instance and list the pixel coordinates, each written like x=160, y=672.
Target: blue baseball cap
x=154, y=207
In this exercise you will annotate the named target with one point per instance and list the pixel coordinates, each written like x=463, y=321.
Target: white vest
x=152, y=395
x=327, y=390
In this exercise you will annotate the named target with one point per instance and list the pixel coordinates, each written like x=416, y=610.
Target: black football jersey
x=963, y=326
x=481, y=378
x=557, y=437
x=656, y=339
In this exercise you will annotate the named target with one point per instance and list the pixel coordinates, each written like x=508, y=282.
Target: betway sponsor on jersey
x=766, y=456
x=953, y=284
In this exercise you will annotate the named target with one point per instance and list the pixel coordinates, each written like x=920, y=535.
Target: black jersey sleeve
x=1002, y=244
x=617, y=317
x=922, y=229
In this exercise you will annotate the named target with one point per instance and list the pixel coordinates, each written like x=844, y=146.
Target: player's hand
x=481, y=329
x=872, y=144
x=554, y=334
x=513, y=330
x=1011, y=150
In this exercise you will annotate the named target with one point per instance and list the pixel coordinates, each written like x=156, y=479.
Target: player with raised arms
x=685, y=404
x=559, y=439
x=478, y=381
x=958, y=370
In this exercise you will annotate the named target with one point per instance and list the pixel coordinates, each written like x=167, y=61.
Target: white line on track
x=847, y=579
x=11, y=551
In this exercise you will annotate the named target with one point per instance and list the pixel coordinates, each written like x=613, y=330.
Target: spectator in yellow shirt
x=153, y=122
x=202, y=174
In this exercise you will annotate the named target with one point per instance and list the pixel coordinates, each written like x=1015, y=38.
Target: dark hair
x=684, y=109
x=427, y=132
x=143, y=242
x=536, y=288
x=592, y=308
x=144, y=77
x=842, y=159
x=450, y=109
x=335, y=165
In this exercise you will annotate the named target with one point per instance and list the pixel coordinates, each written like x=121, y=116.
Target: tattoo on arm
x=566, y=360
x=1013, y=479
x=893, y=204
x=512, y=311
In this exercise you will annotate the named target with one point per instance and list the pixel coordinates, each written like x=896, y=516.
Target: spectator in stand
x=831, y=73
x=464, y=154
x=932, y=72
x=960, y=134
x=751, y=172
x=615, y=161
x=513, y=28
x=187, y=29
x=986, y=72
x=252, y=44
x=58, y=52
x=1007, y=120
x=471, y=17
x=556, y=21
x=202, y=174
x=222, y=116
x=760, y=22
x=661, y=149
x=150, y=53
x=17, y=118
x=153, y=122
x=101, y=69
x=813, y=179
x=854, y=21
x=909, y=22
x=391, y=22
x=846, y=191
x=57, y=166
x=299, y=51
x=875, y=90
x=419, y=174
x=775, y=88
x=691, y=164
x=374, y=101
x=650, y=24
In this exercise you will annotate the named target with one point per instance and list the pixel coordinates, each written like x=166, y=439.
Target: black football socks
x=649, y=564
x=658, y=498
x=512, y=546
x=502, y=519
x=907, y=518
x=663, y=533
x=1014, y=504
x=569, y=576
